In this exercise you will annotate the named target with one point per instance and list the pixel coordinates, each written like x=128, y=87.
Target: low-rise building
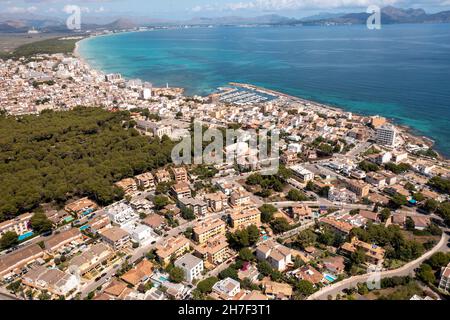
x=139, y=274
x=91, y=258
x=59, y=241
x=215, y=250
x=208, y=229
x=303, y=174
x=359, y=188
x=239, y=197
x=162, y=176
x=277, y=255
x=335, y=265
x=20, y=225
x=217, y=201
x=172, y=248
x=374, y=254
x=199, y=207
x=444, y=283
x=181, y=190
x=180, y=174
x=81, y=207
x=376, y=179
x=145, y=181
x=277, y=290
x=242, y=218
x=341, y=227
x=54, y=281
x=191, y=266
x=128, y=185
x=116, y=237
x=227, y=288
x=11, y=263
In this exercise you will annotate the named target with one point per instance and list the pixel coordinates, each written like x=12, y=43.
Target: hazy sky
x=195, y=8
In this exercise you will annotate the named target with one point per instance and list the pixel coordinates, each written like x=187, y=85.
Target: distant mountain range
x=389, y=15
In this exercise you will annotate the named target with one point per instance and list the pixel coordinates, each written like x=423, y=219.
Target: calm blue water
x=401, y=71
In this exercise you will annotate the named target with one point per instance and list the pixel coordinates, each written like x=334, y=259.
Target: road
x=321, y=202
x=403, y=271
x=141, y=252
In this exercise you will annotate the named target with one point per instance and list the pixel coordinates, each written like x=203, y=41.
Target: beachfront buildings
x=191, y=266
x=386, y=135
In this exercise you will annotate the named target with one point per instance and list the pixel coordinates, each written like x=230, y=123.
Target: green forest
x=59, y=155
x=48, y=46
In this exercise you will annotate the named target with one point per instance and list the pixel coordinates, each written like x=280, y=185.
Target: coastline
x=408, y=131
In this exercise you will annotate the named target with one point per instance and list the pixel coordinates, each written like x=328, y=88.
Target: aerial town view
x=117, y=182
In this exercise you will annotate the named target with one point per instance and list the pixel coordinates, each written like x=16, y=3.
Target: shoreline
x=410, y=132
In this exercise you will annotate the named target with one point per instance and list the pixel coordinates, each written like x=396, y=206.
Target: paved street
x=403, y=271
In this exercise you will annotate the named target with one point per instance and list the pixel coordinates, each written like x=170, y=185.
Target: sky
x=185, y=9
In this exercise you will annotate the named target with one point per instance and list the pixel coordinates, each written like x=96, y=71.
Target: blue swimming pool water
x=330, y=278
x=25, y=236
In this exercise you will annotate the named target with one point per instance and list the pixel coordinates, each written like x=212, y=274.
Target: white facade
x=191, y=265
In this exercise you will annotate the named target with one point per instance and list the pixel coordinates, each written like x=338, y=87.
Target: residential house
x=172, y=247
x=227, y=289
x=215, y=250
x=208, y=229
x=180, y=174
x=374, y=254
x=54, y=281
x=139, y=274
x=81, y=207
x=217, y=201
x=181, y=190
x=277, y=255
x=335, y=264
x=11, y=263
x=191, y=266
x=60, y=241
x=128, y=185
x=242, y=218
x=92, y=258
x=116, y=237
x=145, y=181
x=444, y=283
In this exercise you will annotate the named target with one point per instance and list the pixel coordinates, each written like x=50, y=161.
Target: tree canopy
x=82, y=152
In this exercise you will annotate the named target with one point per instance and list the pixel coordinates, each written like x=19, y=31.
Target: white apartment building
x=302, y=173
x=191, y=265
x=227, y=288
x=386, y=135
x=19, y=225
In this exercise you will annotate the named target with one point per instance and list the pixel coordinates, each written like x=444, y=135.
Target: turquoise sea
x=401, y=71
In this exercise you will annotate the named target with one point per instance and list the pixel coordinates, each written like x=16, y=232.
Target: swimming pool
x=330, y=278
x=25, y=236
